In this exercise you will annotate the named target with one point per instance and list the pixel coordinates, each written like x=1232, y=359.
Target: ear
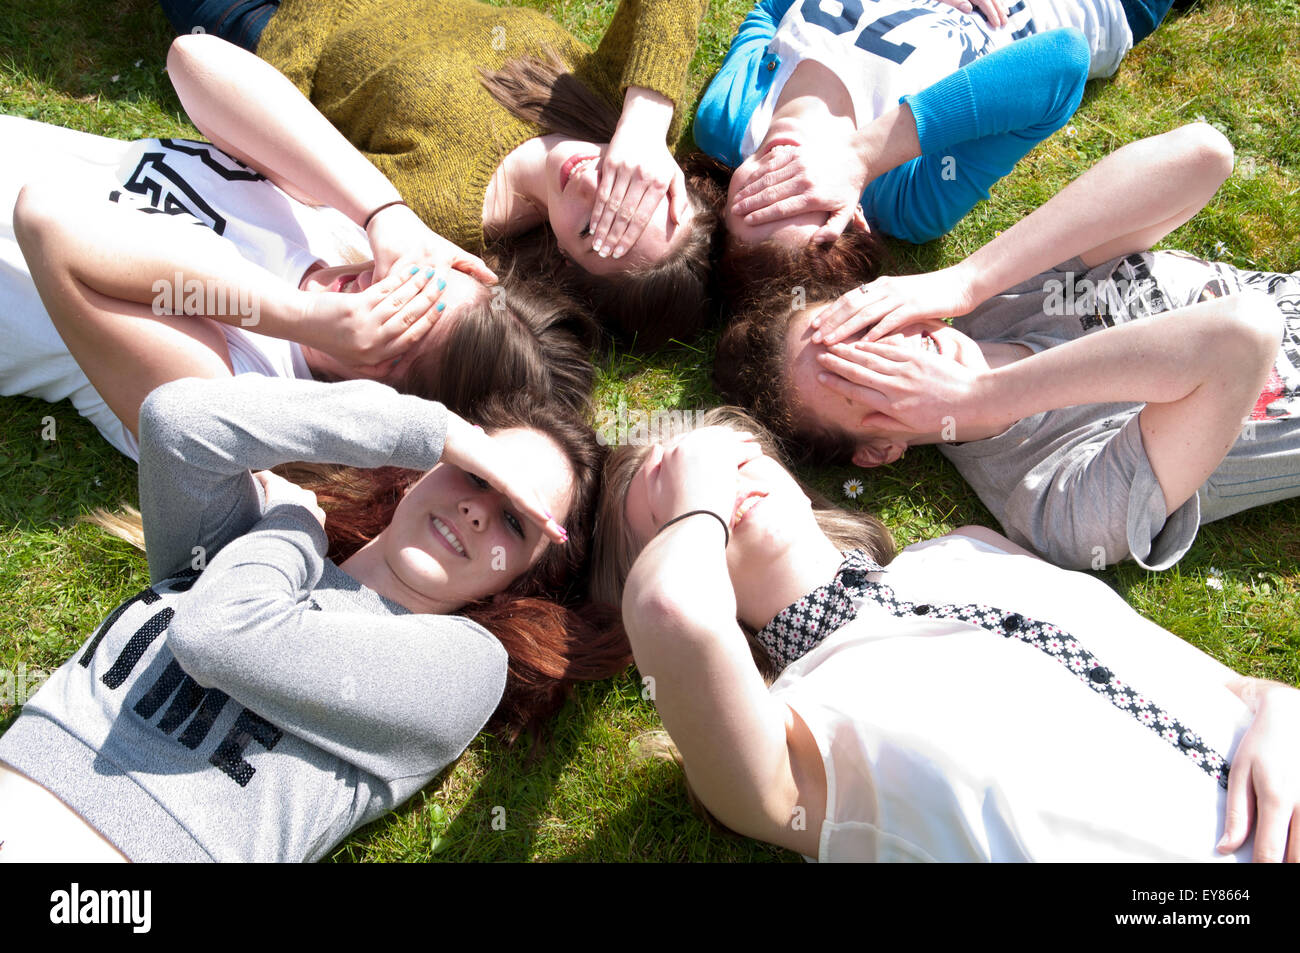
x=878, y=451
x=859, y=220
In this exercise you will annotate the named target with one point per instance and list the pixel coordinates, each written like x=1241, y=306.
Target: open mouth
x=746, y=503
x=574, y=164
x=930, y=343
x=448, y=537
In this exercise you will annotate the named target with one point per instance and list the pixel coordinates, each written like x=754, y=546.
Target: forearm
x=679, y=611
x=173, y=265
x=200, y=439
x=1158, y=360
x=1165, y=180
x=888, y=141
x=246, y=107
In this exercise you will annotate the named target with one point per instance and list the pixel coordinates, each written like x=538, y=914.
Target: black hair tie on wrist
x=371, y=217
x=726, y=531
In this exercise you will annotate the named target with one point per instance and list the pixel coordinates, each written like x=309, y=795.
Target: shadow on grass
x=89, y=51
x=45, y=481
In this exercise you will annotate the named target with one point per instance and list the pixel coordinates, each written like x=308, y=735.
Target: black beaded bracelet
x=371, y=217
x=726, y=531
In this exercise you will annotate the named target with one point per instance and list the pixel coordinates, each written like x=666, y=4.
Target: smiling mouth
x=929, y=342
x=746, y=503
x=449, y=537
x=572, y=165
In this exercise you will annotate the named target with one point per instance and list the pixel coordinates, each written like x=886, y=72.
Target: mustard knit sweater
x=399, y=78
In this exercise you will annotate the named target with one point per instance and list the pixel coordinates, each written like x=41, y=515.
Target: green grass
x=587, y=795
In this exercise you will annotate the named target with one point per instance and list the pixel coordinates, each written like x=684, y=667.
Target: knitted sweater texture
x=400, y=79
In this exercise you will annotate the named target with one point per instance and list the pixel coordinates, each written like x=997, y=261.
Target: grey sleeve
x=1093, y=504
x=199, y=440
x=398, y=696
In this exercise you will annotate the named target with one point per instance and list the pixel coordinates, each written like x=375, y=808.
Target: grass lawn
x=588, y=796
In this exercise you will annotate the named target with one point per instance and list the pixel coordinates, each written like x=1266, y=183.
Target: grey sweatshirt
x=268, y=705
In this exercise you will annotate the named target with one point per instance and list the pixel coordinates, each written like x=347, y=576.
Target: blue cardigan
x=974, y=125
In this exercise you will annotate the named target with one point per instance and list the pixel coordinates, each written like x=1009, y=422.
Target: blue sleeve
x=739, y=85
x=974, y=126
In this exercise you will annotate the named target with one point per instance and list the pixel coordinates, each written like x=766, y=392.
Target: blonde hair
x=615, y=547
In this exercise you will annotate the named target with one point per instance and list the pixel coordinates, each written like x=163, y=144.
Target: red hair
x=553, y=636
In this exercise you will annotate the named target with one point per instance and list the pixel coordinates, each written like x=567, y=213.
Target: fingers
x=475, y=267
x=833, y=228
x=781, y=207
x=679, y=199
x=1272, y=818
x=1239, y=809
x=628, y=225
x=532, y=507
x=858, y=393
x=758, y=192
x=604, y=211
x=844, y=320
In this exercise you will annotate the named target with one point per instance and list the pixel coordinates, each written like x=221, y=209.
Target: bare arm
x=1198, y=369
x=250, y=110
x=679, y=609
x=1165, y=180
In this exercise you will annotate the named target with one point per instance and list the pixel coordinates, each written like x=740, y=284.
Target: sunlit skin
x=815, y=402
x=771, y=524
x=461, y=290
x=414, y=563
x=570, y=191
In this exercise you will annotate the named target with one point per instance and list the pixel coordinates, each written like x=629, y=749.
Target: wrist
x=646, y=110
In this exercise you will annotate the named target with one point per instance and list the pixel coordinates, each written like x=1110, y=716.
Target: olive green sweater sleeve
x=650, y=43
x=400, y=79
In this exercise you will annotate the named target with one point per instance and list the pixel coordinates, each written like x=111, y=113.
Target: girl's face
x=832, y=411
x=461, y=293
x=771, y=514
x=455, y=540
x=572, y=177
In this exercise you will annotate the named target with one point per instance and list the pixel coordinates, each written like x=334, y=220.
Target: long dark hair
x=553, y=636
x=751, y=366
x=522, y=336
x=650, y=305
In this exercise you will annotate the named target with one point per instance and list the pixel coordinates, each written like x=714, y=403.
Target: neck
x=515, y=200
x=812, y=98
x=784, y=580
x=369, y=567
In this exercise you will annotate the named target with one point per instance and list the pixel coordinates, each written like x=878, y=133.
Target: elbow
x=168, y=410
x=39, y=213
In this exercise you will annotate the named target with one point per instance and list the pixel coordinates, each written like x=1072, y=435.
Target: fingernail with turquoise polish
x=430, y=273
x=442, y=283
x=441, y=306
x=414, y=269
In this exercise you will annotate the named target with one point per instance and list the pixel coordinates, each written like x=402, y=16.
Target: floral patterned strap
x=800, y=627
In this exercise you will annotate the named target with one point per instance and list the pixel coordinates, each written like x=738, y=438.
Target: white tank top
x=944, y=741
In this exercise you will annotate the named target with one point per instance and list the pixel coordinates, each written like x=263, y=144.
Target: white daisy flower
x=853, y=488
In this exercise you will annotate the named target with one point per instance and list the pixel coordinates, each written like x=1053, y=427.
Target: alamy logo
x=103, y=906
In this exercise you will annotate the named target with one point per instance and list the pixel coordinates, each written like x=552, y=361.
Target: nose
x=477, y=512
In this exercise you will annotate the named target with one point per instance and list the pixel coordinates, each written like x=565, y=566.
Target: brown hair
x=745, y=269
x=553, y=640
x=649, y=305
x=751, y=366
x=553, y=637
x=615, y=550
x=522, y=336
